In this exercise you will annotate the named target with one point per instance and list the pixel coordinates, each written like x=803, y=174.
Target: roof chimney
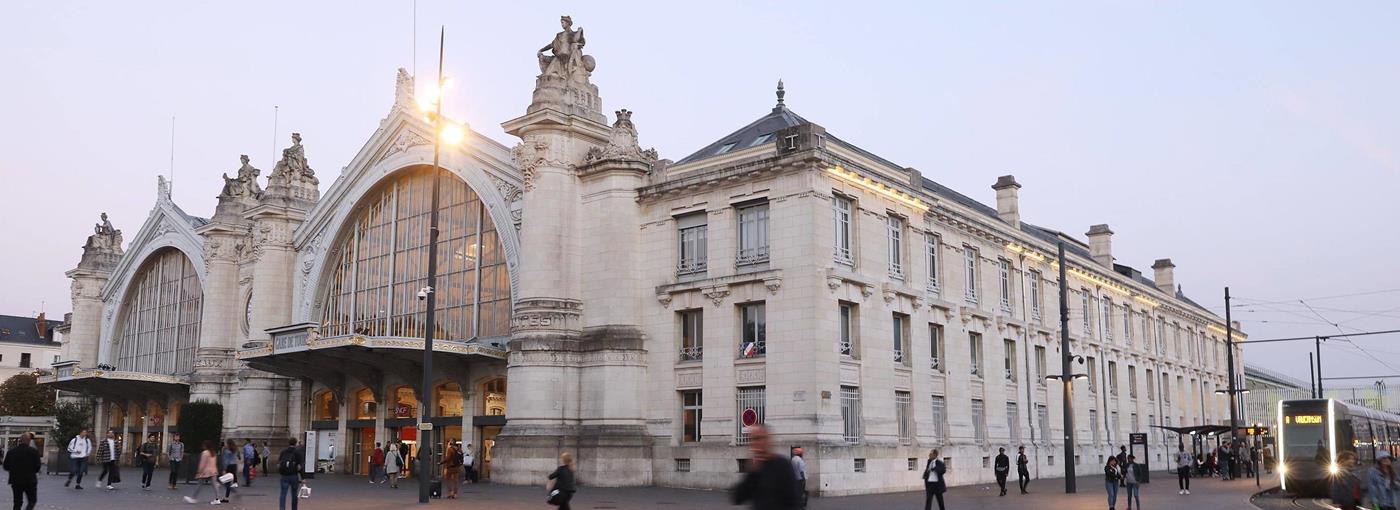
x=1101, y=245
x=1162, y=270
x=1008, y=209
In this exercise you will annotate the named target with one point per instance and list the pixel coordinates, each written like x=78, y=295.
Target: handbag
x=554, y=498
x=226, y=478
x=304, y=492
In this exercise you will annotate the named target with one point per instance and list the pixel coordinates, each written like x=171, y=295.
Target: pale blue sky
x=1254, y=143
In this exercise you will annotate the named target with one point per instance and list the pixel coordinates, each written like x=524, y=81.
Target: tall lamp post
x=451, y=134
x=1230, y=367
x=1234, y=446
x=1067, y=375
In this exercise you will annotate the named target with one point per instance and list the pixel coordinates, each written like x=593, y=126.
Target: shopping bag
x=304, y=492
x=226, y=478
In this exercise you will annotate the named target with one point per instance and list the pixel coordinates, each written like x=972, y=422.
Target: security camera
x=423, y=293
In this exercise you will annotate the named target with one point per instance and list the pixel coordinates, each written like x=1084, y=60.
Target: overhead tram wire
x=1348, y=340
x=1314, y=337
x=1320, y=298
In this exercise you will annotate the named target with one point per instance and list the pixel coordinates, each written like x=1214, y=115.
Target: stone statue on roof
x=105, y=227
x=103, y=248
x=245, y=184
x=563, y=84
x=293, y=176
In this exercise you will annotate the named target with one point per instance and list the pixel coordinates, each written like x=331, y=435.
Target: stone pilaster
x=214, y=365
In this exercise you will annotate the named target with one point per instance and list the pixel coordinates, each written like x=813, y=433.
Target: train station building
x=595, y=297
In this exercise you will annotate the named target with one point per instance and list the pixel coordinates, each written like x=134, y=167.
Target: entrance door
x=361, y=446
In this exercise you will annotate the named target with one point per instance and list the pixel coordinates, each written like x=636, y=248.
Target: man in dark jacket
x=1023, y=472
x=934, y=485
x=1002, y=469
x=22, y=462
x=769, y=482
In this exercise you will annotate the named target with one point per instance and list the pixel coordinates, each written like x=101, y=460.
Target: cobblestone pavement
x=355, y=493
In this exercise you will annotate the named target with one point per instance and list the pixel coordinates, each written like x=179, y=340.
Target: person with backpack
x=452, y=471
x=289, y=467
x=376, y=465
x=79, y=449
x=393, y=463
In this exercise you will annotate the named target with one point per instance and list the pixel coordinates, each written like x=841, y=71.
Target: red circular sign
x=749, y=417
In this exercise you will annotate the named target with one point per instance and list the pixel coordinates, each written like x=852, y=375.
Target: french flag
x=749, y=348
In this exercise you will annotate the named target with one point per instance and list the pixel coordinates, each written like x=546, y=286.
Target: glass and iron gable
x=380, y=262
x=159, y=325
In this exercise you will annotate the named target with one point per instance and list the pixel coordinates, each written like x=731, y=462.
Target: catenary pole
x=1230, y=367
x=425, y=433
x=1066, y=374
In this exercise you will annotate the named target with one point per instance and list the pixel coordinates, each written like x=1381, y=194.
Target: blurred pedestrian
x=1023, y=471
x=1184, y=460
x=79, y=449
x=289, y=468
x=562, y=480
x=1130, y=482
x=934, y=485
x=799, y=469
x=108, y=452
x=393, y=463
x=1002, y=469
x=175, y=451
x=22, y=461
x=147, y=454
x=206, y=471
x=1381, y=484
x=451, y=471
x=1111, y=474
x=768, y=483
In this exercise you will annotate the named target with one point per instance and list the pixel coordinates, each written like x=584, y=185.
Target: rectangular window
x=1094, y=425
x=693, y=244
x=845, y=340
x=1132, y=382
x=1149, y=383
x=979, y=421
x=1013, y=422
x=1127, y=325
x=24, y=360
x=1147, y=331
x=753, y=234
x=931, y=244
x=1084, y=305
x=1040, y=368
x=1004, y=283
x=682, y=465
x=858, y=466
x=692, y=334
x=975, y=352
x=1107, y=318
x=1112, y=424
x=1093, y=375
x=940, y=419
x=894, y=226
x=753, y=342
x=1008, y=359
x=1113, y=378
x=1035, y=294
x=850, y=414
x=901, y=338
x=841, y=209
x=970, y=257
x=750, y=399
x=1166, y=388
x=935, y=340
x=691, y=408
x=1042, y=419
x=1162, y=336
x=905, y=416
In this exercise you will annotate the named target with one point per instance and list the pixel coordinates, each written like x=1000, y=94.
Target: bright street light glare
x=452, y=134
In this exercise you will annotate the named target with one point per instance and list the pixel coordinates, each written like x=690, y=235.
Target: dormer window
x=762, y=139
x=726, y=148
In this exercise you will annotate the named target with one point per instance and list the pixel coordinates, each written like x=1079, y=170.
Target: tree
x=69, y=419
x=199, y=421
x=21, y=395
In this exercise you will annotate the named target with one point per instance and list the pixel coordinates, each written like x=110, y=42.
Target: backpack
x=287, y=463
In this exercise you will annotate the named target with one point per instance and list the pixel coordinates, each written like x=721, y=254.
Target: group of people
x=1375, y=487
x=1123, y=471
x=1002, y=469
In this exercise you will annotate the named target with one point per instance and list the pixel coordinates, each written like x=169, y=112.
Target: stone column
x=214, y=367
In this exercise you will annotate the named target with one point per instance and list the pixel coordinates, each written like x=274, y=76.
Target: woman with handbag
x=206, y=471
x=229, y=457
x=561, y=482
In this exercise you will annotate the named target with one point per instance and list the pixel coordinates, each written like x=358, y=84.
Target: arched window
x=365, y=406
x=380, y=263
x=160, y=316
x=448, y=398
x=493, y=397
x=405, y=403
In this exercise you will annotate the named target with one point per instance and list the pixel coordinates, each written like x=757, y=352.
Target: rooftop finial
x=781, y=93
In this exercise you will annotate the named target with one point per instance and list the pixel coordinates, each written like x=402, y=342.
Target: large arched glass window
x=160, y=316
x=380, y=263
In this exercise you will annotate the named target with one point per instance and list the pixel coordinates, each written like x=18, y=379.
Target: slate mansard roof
x=761, y=131
x=24, y=330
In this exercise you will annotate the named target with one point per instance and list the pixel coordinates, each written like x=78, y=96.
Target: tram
x=1313, y=432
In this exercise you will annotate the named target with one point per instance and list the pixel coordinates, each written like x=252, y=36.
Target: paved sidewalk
x=355, y=493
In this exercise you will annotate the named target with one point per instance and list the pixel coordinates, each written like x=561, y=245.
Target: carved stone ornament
x=716, y=294
x=529, y=154
x=833, y=282
x=403, y=90
x=867, y=290
x=404, y=141
x=773, y=284
x=622, y=144
x=563, y=84
x=103, y=249
x=244, y=185
x=293, y=177
x=889, y=295
x=663, y=298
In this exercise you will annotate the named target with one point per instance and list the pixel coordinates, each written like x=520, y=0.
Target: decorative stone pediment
x=622, y=144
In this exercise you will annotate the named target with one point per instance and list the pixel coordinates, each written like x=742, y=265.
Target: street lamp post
x=1230, y=367
x=1067, y=375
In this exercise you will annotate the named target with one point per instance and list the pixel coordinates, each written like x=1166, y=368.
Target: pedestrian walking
x=1381, y=483
x=451, y=471
x=561, y=482
x=1023, y=471
x=147, y=454
x=1122, y=461
x=408, y=465
x=175, y=451
x=1347, y=489
x=230, y=457
x=799, y=469
x=206, y=472
x=1183, y=470
x=469, y=464
x=1002, y=469
x=934, y=485
x=376, y=465
x=22, y=461
x=1130, y=482
x=79, y=449
x=250, y=461
x=263, y=455
x=289, y=468
x=108, y=453
x=393, y=463
x=1111, y=474
x=768, y=482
